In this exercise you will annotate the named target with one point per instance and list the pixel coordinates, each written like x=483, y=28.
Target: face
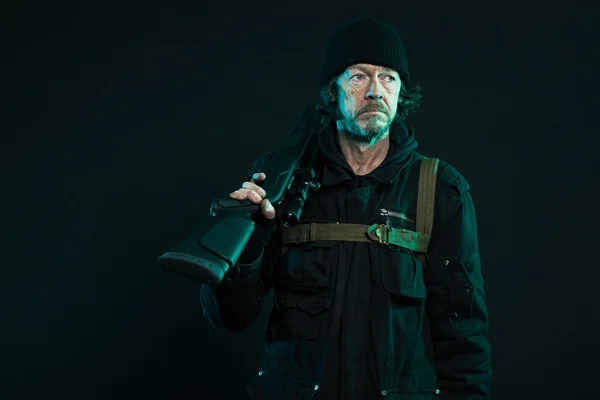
x=368, y=100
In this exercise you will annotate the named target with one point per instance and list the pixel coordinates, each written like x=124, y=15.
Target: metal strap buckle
x=384, y=232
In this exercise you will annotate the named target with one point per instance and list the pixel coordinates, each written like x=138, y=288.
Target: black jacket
x=356, y=320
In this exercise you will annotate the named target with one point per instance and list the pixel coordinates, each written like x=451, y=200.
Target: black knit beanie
x=367, y=41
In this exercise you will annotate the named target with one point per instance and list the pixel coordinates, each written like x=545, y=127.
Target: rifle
x=209, y=254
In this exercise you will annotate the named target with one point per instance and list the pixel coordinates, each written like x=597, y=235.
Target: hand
x=251, y=191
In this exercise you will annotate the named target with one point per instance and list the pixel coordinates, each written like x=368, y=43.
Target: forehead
x=370, y=68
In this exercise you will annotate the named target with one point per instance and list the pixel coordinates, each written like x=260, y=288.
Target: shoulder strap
x=426, y=199
x=417, y=241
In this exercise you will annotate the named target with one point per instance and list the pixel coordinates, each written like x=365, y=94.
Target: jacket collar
x=336, y=170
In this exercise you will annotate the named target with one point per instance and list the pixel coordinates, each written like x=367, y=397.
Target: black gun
x=213, y=250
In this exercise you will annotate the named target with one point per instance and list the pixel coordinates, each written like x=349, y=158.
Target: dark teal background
x=122, y=121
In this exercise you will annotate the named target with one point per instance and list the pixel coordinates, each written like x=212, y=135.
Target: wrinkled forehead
x=370, y=69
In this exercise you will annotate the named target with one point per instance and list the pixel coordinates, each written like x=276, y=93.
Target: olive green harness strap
x=376, y=233
x=379, y=233
x=426, y=200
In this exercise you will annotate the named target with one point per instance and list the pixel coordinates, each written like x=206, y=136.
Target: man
x=357, y=320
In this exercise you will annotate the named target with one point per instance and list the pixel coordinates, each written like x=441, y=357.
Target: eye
x=357, y=77
x=390, y=78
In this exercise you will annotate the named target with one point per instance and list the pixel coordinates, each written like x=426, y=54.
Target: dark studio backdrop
x=123, y=121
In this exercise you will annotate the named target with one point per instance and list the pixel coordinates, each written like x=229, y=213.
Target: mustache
x=373, y=107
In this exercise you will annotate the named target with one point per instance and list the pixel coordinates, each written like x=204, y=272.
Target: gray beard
x=368, y=135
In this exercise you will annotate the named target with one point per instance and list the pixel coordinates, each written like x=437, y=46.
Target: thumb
x=259, y=177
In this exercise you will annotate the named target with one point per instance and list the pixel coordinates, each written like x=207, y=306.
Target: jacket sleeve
x=456, y=302
x=233, y=305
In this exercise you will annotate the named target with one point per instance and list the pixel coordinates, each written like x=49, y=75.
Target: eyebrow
x=386, y=70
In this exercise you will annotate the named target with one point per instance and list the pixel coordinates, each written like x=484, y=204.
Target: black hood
x=336, y=169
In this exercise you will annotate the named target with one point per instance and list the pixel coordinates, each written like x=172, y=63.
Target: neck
x=363, y=157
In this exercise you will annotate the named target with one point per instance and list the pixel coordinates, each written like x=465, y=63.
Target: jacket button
x=468, y=288
x=437, y=391
x=383, y=393
x=316, y=305
x=260, y=373
x=316, y=387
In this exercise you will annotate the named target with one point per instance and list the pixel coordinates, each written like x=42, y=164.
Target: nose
x=375, y=91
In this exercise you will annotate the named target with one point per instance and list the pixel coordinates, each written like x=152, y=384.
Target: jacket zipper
x=388, y=213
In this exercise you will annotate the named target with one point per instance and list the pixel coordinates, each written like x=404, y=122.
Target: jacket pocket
x=300, y=317
x=309, y=268
x=268, y=385
x=461, y=288
x=404, y=285
x=414, y=381
x=402, y=278
x=410, y=394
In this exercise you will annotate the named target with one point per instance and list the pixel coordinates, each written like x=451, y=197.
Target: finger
x=237, y=195
x=267, y=209
x=258, y=177
x=246, y=194
x=252, y=186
